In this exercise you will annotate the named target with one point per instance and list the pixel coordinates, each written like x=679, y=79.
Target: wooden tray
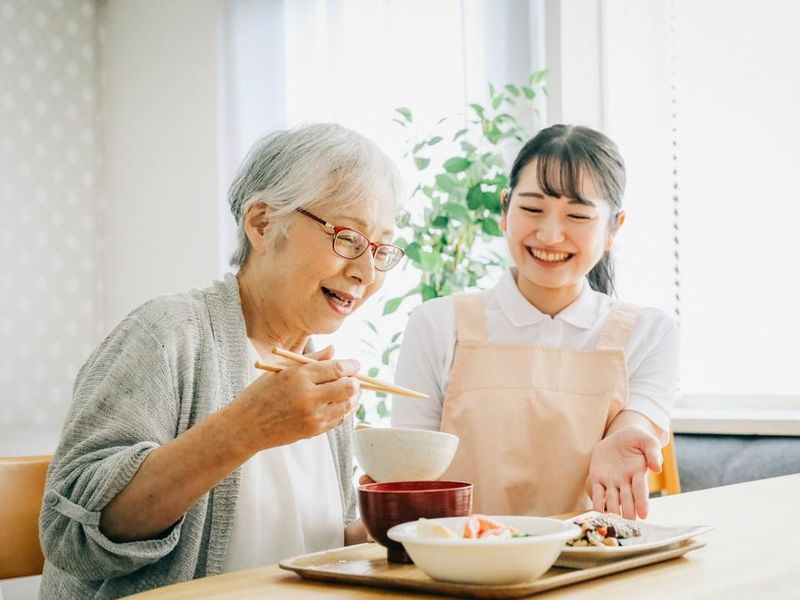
x=365, y=564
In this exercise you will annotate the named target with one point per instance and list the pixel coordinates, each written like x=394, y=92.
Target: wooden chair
x=668, y=481
x=21, y=489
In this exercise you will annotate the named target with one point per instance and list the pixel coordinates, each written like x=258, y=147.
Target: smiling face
x=301, y=285
x=555, y=240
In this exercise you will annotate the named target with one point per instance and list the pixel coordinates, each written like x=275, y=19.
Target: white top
x=289, y=502
x=428, y=348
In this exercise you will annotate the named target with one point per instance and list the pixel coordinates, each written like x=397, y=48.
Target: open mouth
x=345, y=302
x=549, y=256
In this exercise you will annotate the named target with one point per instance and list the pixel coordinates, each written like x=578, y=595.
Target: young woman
x=560, y=395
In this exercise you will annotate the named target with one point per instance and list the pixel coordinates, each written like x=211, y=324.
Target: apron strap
x=618, y=326
x=470, y=317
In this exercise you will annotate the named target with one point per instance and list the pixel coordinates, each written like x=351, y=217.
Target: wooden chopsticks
x=367, y=382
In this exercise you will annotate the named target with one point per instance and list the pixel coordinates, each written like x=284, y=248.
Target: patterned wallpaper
x=50, y=271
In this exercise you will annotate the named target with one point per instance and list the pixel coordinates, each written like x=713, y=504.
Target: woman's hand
x=300, y=402
x=618, y=471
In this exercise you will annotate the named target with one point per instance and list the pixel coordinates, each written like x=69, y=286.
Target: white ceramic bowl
x=395, y=454
x=487, y=561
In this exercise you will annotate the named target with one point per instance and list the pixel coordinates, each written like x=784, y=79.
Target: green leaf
x=497, y=101
x=446, y=182
x=435, y=140
x=467, y=147
x=413, y=252
x=373, y=371
x=478, y=110
x=371, y=325
x=405, y=112
x=395, y=337
x=383, y=412
x=430, y=261
x=456, y=164
x=459, y=133
x=529, y=93
x=391, y=306
x=457, y=211
x=361, y=413
x=491, y=200
x=417, y=147
x=399, y=122
x=387, y=354
x=491, y=227
x=474, y=197
x=421, y=162
x=428, y=292
x=537, y=77
x=514, y=90
x=491, y=90
x=441, y=221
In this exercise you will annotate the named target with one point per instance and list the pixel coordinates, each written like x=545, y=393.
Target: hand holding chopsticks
x=367, y=383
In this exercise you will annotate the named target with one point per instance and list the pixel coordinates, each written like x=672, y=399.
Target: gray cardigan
x=168, y=365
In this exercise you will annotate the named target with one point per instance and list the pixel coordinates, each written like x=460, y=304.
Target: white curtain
x=717, y=79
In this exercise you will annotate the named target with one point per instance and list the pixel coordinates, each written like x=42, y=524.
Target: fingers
x=626, y=502
x=612, y=500
x=365, y=479
x=331, y=370
x=640, y=494
x=599, y=497
x=654, y=458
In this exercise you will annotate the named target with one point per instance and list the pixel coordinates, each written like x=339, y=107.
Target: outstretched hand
x=617, y=478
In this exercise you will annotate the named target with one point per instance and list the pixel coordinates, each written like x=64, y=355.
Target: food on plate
x=477, y=527
x=604, y=530
x=426, y=528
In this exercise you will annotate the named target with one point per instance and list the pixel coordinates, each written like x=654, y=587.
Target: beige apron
x=529, y=417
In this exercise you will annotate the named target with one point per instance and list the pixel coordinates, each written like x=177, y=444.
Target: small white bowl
x=487, y=561
x=396, y=454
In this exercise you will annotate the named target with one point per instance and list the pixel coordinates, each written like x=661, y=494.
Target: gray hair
x=305, y=167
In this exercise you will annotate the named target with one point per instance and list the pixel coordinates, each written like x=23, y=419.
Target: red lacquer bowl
x=384, y=505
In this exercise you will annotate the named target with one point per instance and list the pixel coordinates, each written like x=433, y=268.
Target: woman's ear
x=257, y=224
x=612, y=233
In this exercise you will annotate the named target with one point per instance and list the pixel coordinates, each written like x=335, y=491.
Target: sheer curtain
x=702, y=100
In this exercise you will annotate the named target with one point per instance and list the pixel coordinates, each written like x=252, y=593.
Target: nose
x=362, y=269
x=550, y=232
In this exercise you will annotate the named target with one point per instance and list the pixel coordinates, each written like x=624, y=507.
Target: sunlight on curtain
x=736, y=149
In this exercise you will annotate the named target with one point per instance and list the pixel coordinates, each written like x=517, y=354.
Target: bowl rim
x=459, y=485
x=408, y=429
x=570, y=531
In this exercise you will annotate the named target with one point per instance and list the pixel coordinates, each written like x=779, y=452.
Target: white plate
x=653, y=537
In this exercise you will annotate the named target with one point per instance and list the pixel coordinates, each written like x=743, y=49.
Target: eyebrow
x=581, y=201
x=362, y=223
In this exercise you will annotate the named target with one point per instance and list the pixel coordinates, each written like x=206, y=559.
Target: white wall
x=161, y=118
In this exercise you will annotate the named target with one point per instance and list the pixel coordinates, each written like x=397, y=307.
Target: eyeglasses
x=349, y=243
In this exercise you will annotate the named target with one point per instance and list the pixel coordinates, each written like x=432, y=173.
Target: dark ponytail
x=564, y=153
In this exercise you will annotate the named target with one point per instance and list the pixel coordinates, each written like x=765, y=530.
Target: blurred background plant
x=450, y=228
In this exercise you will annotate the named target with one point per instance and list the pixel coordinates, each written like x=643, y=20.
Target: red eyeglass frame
x=334, y=230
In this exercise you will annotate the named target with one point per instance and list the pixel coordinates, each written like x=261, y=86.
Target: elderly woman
x=178, y=459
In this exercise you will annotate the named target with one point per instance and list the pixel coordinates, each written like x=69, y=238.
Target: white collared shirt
x=428, y=348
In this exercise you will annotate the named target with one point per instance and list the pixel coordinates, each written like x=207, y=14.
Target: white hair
x=305, y=167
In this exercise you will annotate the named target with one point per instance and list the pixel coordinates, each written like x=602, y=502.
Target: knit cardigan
x=170, y=364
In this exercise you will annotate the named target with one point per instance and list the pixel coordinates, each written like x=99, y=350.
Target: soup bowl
x=384, y=505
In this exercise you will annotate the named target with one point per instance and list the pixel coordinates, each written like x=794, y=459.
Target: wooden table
x=754, y=552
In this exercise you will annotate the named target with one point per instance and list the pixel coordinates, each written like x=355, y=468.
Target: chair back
x=668, y=481
x=21, y=490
